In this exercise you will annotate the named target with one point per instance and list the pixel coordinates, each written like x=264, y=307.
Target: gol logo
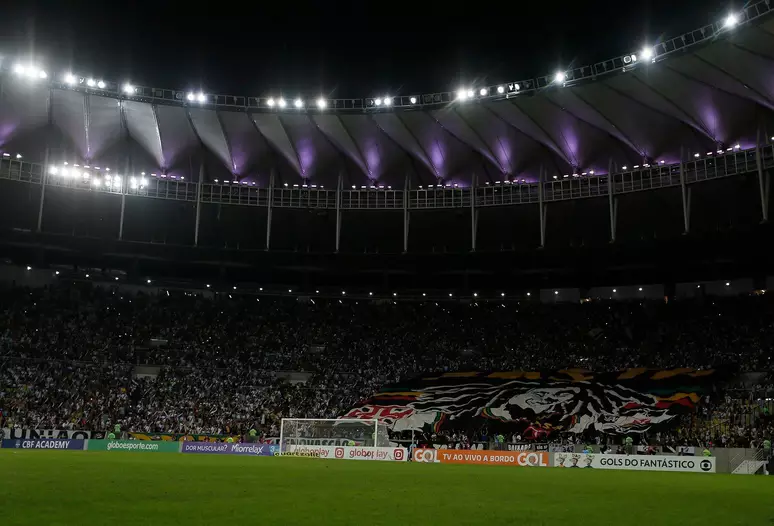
x=424, y=455
x=339, y=452
x=398, y=453
x=705, y=465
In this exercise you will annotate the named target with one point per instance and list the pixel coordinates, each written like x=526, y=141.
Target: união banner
x=223, y=448
x=635, y=462
x=346, y=452
x=141, y=446
x=44, y=443
x=32, y=434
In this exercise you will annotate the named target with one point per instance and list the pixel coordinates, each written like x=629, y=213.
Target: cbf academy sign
x=44, y=443
x=635, y=462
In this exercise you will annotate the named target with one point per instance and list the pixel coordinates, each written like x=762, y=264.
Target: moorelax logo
x=244, y=449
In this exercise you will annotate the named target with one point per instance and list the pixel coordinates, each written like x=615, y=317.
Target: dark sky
x=341, y=49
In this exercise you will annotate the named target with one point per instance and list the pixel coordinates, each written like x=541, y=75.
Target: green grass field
x=78, y=488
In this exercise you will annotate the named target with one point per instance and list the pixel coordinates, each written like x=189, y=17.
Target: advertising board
x=636, y=462
x=43, y=443
x=223, y=448
x=347, y=452
x=140, y=446
x=490, y=458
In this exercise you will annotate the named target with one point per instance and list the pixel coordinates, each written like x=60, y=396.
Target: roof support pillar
x=612, y=201
x=121, y=218
x=541, y=209
x=43, y=177
x=198, y=203
x=270, y=208
x=406, y=216
x=338, y=211
x=473, y=214
x=763, y=179
x=686, y=195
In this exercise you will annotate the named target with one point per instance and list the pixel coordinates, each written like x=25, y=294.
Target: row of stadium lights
x=33, y=73
x=370, y=294
x=66, y=172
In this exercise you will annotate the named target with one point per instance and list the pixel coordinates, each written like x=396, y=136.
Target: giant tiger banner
x=538, y=404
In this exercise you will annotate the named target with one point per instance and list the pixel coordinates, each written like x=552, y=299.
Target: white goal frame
x=373, y=422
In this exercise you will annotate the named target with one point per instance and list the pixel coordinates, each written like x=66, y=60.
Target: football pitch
x=116, y=488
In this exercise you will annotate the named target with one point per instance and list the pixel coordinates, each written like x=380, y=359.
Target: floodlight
x=201, y=98
x=19, y=69
x=70, y=79
x=387, y=100
x=646, y=53
x=270, y=103
x=298, y=103
x=42, y=74
x=462, y=94
x=413, y=100
x=91, y=83
x=18, y=156
x=53, y=170
x=731, y=20
x=190, y=97
x=128, y=89
x=378, y=102
x=560, y=76
x=101, y=84
x=483, y=92
x=470, y=93
x=321, y=103
x=281, y=102
x=501, y=89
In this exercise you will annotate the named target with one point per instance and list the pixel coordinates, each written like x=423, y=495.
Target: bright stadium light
x=321, y=104
x=378, y=102
x=190, y=97
x=101, y=84
x=388, y=101
x=18, y=156
x=501, y=89
x=270, y=102
x=646, y=53
x=483, y=92
x=128, y=89
x=462, y=94
x=413, y=100
x=53, y=170
x=42, y=74
x=731, y=21
x=19, y=69
x=201, y=98
x=70, y=79
x=91, y=83
x=298, y=103
x=281, y=102
x=560, y=76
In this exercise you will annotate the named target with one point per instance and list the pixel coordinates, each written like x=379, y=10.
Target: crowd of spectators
x=69, y=354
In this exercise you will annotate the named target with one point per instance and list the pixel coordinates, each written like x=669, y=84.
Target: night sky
x=338, y=49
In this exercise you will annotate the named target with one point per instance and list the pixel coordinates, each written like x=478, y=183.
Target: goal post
x=332, y=432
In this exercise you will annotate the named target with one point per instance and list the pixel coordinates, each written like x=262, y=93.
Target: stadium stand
x=71, y=354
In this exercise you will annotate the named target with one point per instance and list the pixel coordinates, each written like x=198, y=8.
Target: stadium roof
x=714, y=91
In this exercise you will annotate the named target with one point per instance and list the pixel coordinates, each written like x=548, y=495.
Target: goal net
x=332, y=432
